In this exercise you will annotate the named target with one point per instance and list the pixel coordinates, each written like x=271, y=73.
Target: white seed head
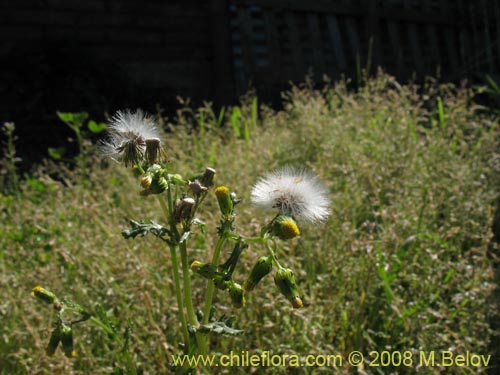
x=128, y=132
x=293, y=192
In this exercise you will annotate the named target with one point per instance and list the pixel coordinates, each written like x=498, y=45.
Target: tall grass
x=405, y=262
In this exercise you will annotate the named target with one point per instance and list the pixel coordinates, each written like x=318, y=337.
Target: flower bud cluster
x=222, y=281
x=62, y=334
x=153, y=181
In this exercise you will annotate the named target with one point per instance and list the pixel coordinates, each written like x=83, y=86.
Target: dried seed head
x=183, y=209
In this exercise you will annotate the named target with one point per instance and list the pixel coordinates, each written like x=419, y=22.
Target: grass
x=406, y=261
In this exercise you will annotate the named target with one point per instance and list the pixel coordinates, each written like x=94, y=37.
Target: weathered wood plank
x=475, y=34
x=451, y=48
x=316, y=43
x=432, y=39
x=248, y=53
x=415, y=47
x=354, y=43
x=296, y=45
x=336, y=38
x=223, y=85
x=487, y=37
x=346, y=9
x=373, y=34
x=497, y=36
x=414, y=43
x=393, y=31
x=273, y=44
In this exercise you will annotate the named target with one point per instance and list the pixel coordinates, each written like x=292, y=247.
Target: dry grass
x=404, y=263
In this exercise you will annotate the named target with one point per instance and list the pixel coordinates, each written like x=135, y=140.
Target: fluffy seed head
x=293, y=192
x=129, y=133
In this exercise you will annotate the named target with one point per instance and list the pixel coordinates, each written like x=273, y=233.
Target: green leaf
x=493, y=84
x=449, y=275
x=442, y=123
x=144, y=228
x=65, y=116
x=255, y=111
x=220, y=119
x=80, y=117
x=36, y=184
x=76, y=118
x=57, y=153
x=235, y=121
x=95, y=127
x=223, y=327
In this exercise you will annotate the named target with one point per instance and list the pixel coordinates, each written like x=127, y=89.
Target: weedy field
x=406, y=261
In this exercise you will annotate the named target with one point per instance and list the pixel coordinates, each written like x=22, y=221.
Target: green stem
x=124, y=355
x=187, y=285
x=177, y=282
x=180, y=302
x=107, y=330
x=272, y=254
x=210, y=291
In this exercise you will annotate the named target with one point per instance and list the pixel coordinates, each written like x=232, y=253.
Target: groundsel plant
x=295, y=196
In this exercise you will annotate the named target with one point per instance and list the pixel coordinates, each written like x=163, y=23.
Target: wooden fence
x=273, y=42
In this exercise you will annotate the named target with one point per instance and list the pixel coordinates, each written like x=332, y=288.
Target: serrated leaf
x=57, y=153
x=95, y=127
x=220, y=328
x=144, y=228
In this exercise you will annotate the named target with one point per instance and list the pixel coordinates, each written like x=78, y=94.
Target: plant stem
x=177, y=282
x=210, y=291
x=107, y=330
x=187, y=285
x=193, y=320
x=180, y=302
x=273, y=255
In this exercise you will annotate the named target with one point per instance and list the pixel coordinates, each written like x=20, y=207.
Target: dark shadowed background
x=100, y=56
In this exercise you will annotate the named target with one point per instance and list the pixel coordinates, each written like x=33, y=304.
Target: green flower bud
x=263, y=266
x=158, y=185
x=206, y=270
x=285, y=227
x=222, y=282
x=155, y=171
x=67, y=341
x=55, y=338
x=285, y=282
x=153, y=181
x=43, y=294
x=236, y=294
x=146, y=181
x=225, y=202
x=176, y=179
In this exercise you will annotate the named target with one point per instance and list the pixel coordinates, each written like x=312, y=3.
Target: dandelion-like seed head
x=130, y=133
x=295, y=193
